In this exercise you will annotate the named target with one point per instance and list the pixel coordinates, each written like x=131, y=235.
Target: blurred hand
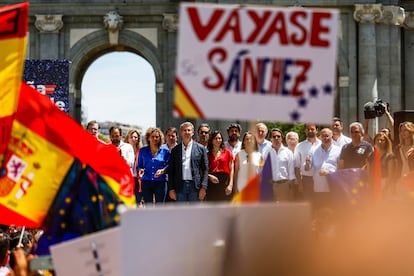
x=213, y=179
x=202, y=194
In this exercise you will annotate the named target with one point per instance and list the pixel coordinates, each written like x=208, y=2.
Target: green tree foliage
x=299, y=128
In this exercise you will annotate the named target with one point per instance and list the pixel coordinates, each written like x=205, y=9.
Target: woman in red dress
x=220, y=169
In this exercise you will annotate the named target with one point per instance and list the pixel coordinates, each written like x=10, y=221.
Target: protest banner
x=256, y=63
x=94, y=254
x=51, y=78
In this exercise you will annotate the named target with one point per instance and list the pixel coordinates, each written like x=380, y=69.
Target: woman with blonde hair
x=152, y=166
x=388, y=163
x=248, y=162
x=133, y=137
x=405, y=149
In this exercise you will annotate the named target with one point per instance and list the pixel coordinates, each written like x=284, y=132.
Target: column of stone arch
x=389, y=57
x=366, y=15
x=408, y=58
x=380, y=46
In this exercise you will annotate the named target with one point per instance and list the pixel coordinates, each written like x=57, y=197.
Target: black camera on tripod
x=375, y=109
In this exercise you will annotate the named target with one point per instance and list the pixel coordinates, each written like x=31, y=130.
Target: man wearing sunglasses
x=283, y=167
x=203, y=134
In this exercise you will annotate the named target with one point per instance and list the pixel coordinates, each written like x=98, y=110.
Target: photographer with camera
x=376, y=109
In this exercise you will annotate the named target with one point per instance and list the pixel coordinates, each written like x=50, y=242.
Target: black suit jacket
x=199, y=167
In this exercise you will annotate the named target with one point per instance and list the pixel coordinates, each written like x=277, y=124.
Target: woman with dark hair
x=152, y=166
x=220, y=169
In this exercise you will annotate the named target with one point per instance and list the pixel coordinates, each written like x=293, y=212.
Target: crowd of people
x=212, y=166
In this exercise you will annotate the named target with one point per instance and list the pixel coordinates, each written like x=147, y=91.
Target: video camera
x=375, y=109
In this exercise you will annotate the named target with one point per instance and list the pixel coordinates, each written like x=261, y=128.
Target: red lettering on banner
x=264, y=75
x=202, y=31
x=298, y=38
x=278, y=26
x=259, y=22
x=304, y=27
x=317, y=29
x=276, y=76
x=221, y=56
x=231, y=25
x=301, y=77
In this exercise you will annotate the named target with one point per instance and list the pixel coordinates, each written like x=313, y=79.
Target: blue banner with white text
x=51, y=78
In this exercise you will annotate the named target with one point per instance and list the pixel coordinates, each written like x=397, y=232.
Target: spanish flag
x=13, y=29
x=45, y=142
x=259, y=187
x=376, y=175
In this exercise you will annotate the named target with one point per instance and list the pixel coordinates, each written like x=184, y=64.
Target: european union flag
x=349, y=188
x=84, y=204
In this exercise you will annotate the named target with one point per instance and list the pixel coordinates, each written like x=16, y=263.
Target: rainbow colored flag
x=13, y=30
x=259, y=188
x=44, y=144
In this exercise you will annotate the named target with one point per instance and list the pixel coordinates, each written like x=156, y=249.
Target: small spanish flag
x=259, y=188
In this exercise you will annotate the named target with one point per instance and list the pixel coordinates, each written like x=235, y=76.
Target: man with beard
x=233, y=143
x=302, y=152
x=125, y=149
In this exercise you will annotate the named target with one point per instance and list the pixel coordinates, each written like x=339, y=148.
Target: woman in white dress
x=247, y=163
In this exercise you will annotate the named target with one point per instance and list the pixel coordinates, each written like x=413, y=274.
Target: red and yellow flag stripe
x=13, y=30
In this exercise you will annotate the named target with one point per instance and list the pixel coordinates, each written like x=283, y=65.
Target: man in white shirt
x=338, y=138
x=304, y=178
x=283, y=166
x=188, y=168
x=125, y=149
x=323, y=161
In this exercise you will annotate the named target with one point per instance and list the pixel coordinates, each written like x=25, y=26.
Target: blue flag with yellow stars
x=84, y=204
x=349, y=189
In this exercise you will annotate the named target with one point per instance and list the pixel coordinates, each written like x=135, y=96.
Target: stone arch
x=96, y=44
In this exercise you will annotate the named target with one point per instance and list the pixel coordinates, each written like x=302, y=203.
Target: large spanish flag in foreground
x=259, y=188
x=13, y=29
x=45, y=142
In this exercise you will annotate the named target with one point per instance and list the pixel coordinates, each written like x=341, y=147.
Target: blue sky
x=120, y=87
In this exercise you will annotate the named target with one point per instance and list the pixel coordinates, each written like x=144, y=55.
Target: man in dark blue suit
x=188, y=168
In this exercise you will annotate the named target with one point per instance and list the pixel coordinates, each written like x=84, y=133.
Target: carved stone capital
x=409, y=20
x=50, y=23
x=170, y=22
x=392, y=15
x=367, y=13
x=113, y=21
